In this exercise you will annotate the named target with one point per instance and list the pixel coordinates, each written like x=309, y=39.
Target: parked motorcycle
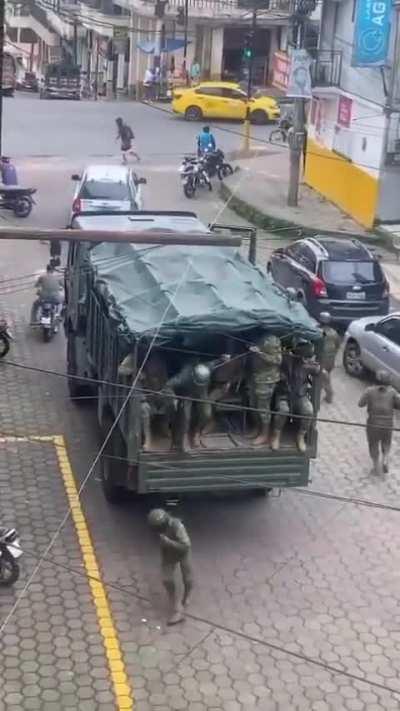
x=5, y=338
x=19, y=200
x=10, y=551
x=49, y=320
x=216, y=164
x=194, y=175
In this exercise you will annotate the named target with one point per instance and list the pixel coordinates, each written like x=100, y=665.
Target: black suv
x=337, y=275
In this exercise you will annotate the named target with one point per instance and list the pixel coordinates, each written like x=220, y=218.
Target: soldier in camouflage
x=175, y=553
x=192, y=415
x=292, y=392
x=330, y=347
x=381, y=401
x=152, y=380
x=265, y=363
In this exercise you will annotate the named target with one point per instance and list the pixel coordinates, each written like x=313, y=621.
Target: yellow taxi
x=222, y=100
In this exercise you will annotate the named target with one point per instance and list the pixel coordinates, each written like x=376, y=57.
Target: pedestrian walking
x=381, y=401
x=175, y=547
x=126, y=136
x=330, y=347
x=148, y=84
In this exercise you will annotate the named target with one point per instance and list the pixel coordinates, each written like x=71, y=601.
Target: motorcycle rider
x=205, y=141
x=49, y=288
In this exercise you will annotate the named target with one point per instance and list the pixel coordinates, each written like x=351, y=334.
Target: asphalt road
x=75, y=129
x=296, y=597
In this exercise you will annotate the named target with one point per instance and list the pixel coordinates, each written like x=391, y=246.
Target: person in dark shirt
x=126, y=136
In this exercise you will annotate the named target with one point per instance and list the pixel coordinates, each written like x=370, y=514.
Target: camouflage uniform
x=330, y=347
x=292, y=395
x=192, y=416
x=175, y=553
x=152, y=378
x=381, y=401
x=265, y=362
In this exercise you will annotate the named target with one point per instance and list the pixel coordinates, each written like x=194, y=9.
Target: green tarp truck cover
x=168, y=289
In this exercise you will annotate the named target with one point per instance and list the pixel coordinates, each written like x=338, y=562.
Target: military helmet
x=303, y=348
x=325, y=317
x=157, y=518
x=201, y=374
x=383, y=377
x=269, y=344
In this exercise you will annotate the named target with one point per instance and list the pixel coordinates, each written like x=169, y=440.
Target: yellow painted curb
x=122, y=689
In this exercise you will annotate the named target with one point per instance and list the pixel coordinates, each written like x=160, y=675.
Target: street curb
x=293, y=230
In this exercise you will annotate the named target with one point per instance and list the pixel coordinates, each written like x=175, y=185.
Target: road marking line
x=122, y=689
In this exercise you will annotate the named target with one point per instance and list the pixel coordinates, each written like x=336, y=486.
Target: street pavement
x=295, y=604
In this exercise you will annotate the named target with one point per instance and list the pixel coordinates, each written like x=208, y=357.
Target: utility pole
x=297, y=134
x=2, y=20
x=248, y=55
x=185, y=39
x=75, y=42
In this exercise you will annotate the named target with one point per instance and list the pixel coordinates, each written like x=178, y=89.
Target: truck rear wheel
x=114, y=465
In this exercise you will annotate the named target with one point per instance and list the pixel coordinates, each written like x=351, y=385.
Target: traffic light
x=180, y=17
x=248, y=50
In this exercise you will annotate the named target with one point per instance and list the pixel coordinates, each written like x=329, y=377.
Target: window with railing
x=326, y=68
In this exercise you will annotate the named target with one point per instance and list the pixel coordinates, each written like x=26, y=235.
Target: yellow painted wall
x=346, y=185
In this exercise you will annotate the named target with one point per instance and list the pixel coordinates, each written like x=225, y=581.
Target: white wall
x=361, y=142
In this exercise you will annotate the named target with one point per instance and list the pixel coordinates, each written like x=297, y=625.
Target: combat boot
x=263, y=437
x=275, y=440
x=385, y=464
x=301, y=442
x=176, y=617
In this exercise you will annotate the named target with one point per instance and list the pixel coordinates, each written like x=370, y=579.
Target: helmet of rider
x=201, y=374
x=157, y=518
x=325, y=318
x=303, y=348
x=383, y=377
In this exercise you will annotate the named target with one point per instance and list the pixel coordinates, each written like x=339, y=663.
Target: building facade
x=115, y=41
x=352, y=145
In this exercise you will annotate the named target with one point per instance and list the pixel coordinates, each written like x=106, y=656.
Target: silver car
x=113, y=188
x=372, y=344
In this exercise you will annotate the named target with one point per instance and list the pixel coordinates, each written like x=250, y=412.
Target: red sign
x=344, y=111
x=280, y=70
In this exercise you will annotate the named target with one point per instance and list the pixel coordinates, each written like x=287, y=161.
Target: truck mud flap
x=217, y=471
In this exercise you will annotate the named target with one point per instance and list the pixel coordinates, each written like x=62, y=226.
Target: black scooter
x=17, y=199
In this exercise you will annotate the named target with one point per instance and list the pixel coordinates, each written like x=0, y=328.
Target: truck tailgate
x=230, y=471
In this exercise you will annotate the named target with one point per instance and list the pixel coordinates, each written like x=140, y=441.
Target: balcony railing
x=326, y=68
x=227, y=7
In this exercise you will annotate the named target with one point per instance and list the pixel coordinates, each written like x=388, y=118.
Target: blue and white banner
x=371, y=33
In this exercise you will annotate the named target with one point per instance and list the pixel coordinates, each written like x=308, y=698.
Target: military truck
x=181, y=302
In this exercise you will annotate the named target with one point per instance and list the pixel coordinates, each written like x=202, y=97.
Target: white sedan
x=372, y=344
x=108, y=188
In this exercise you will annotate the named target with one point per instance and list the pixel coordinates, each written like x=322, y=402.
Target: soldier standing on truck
x=330, y=347
x=152, y=380
x=381, y=401
x=292, y=393
x=192, y=415
x=175, y=552
x=265, y=362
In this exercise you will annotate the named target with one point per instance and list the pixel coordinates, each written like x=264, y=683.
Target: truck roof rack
x=134, y=213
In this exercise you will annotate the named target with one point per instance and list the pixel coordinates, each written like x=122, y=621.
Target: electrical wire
x=99, y=453
x=255, y=139
x=148, y=391
x=214, y=625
